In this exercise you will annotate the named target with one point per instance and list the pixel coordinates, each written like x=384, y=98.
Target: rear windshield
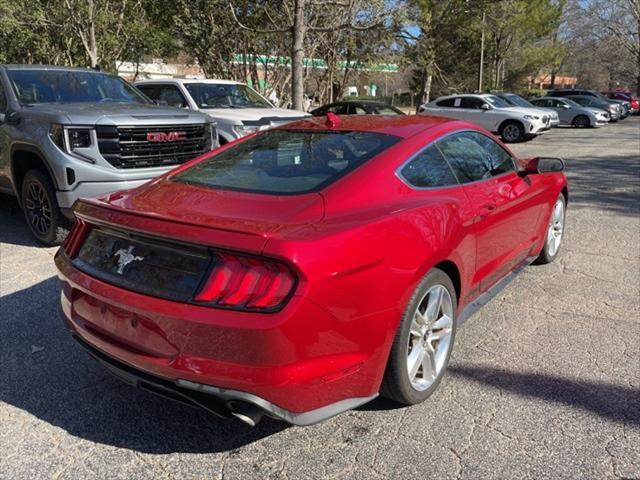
x=286, y=162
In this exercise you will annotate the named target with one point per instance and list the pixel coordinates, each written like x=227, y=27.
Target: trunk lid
x=204, y=216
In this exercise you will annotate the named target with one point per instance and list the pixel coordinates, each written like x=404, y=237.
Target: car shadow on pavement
x=614, y=402
x=46, y=374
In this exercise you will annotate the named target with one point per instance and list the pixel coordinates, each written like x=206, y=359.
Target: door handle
x=487, y=210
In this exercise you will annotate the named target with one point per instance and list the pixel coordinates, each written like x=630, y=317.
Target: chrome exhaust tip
x=247, y=412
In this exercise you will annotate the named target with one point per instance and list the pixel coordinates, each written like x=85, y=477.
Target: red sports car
x=303, y=270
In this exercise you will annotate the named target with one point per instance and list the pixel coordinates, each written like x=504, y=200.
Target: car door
x=473, y=112
x=507, y=206
x=564, y=110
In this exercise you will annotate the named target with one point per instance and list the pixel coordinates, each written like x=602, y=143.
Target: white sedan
x=513, y=124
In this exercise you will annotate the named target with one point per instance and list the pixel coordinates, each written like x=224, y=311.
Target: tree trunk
x=93, y=46
x=297, y=57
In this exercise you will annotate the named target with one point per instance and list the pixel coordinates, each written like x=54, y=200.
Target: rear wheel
x=420, y=353
x=581, y=121
x=512, y=132
x=555, y=230
x=45, y=220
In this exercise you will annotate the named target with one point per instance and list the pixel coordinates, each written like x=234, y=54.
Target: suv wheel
x=45, y=220
x=512, y=132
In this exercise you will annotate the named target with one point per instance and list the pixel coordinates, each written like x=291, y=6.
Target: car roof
x=188, y=80
x=17, y=66
x=403, y=126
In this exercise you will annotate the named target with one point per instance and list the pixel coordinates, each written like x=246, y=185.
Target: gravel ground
x=544, y=381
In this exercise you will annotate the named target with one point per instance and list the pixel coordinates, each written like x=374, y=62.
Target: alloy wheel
x=38, y=208
x=430, y=337
x=556, y=228
x=511, y=132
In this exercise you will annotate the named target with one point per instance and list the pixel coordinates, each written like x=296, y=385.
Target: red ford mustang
x=299, y=272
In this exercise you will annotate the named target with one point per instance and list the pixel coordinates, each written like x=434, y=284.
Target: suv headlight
x=243, y=130
x=69, y=138
x=79, y=138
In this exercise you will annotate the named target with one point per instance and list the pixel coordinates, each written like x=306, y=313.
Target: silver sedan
x=572, y=113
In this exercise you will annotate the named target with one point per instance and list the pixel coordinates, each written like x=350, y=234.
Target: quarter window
x=429, y=169
x=474, y=156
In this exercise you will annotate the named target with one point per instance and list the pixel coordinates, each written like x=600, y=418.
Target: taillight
x=247, y=283
x=74, y=240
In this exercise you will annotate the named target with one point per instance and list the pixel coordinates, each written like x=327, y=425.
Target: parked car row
x=516, y=119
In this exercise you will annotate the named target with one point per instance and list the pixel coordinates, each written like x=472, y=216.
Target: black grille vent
x=128, y=147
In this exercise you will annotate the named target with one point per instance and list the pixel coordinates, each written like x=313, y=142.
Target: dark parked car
x=615, y=111
x=352, y=107
x=627, y=97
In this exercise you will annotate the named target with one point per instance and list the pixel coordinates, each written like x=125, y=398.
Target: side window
x=172, y=96
x=447, y=102
x=150, y=91
x=429, y=169
x=338, y=109
x=471, y=102
x=474, y=156
x=358, y=110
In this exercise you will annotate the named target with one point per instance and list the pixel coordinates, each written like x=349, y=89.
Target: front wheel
x=45, y=220
x=422, y=346
x=555, y=230
x=512, y=132
x=581, y=121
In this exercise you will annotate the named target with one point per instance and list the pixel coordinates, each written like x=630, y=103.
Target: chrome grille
x=128, y=147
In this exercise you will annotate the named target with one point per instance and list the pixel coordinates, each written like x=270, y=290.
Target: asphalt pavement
x=544, y=382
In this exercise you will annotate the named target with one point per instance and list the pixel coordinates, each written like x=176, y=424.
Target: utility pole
x=481, y=72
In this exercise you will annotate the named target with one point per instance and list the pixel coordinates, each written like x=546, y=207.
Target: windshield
x=496, y=101
x=68, y=86
x=286, y=161
x=218, y=95
x=519, y=101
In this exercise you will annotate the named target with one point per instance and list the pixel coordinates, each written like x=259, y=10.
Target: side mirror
x=565, y=106
x=485, y=107
x=542, y=165
x=10, y=118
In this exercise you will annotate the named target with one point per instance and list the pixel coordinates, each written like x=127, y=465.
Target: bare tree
x=302, y=19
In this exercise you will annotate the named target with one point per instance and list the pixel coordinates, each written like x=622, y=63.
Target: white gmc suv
x=237, y=108
x=513, y=124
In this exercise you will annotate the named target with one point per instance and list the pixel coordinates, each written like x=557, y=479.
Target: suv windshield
x=286, y=161
x=496, y=101
x=62, y=86
x=212, y=95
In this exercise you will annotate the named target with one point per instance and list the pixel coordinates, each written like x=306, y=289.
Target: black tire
x=548, y=255
x=581, y=121
x=44, y=218
x=508, y=131
x=396, y=384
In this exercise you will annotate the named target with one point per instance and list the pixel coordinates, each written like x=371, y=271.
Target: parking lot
x=544, y=382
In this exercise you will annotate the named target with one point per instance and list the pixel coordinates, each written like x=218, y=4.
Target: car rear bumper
x=222, y=402
x=293, y=365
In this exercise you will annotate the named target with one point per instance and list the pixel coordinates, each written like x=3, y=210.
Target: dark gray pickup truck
x=67, y=133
